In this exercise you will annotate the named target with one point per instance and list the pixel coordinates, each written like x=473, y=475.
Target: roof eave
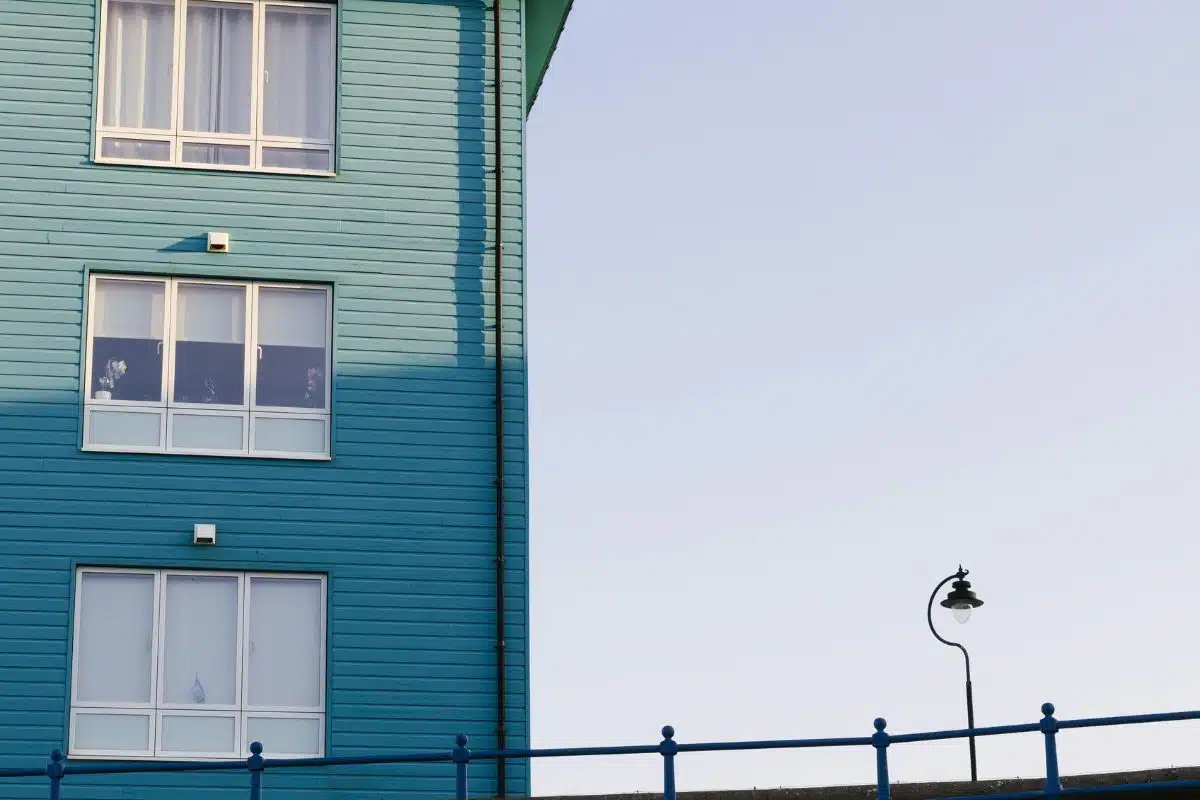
x=546, y=23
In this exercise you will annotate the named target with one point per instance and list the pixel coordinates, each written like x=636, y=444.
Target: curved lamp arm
x=962, y=573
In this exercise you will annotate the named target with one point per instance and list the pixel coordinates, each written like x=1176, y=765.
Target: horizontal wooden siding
x=402, y=517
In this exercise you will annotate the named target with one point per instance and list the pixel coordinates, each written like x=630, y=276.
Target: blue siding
x=402, y=517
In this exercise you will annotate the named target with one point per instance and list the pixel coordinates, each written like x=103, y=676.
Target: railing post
x=880, y=740
x=462, y=757
x=668, y=747
x=256, y=764
x=55, y=771
x=1049, y=726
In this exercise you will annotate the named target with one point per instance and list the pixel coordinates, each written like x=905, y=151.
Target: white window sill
x=129, y=162
x=164, y=759
x=162, y=451
x=179, y=759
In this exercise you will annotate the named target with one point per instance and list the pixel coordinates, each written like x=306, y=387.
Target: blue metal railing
x=461, y=756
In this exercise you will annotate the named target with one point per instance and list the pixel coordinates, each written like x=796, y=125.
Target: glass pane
x=125, y=428
x=292, y=334
x=208, y=431
x=231, y=155
x=197, y=734
x=217, y=75
x=139, y=41
x=283, y=435
x=116, y=623
x=286, y=646
x=112, y=732
x=285, y=736
x=210, y=350
x=127, y=340
x=298, y=91
x=135, y=149
x=200, y=657
x=296, y=158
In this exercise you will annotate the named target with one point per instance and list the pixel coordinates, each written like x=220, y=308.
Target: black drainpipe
x=501, y=660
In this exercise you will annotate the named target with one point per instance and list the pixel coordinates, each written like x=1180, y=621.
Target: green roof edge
x=537, y=63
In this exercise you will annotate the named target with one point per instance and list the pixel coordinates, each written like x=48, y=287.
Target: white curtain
x=292, y=317
x=139, y=43
x=298, y=95
x=116, y=621
x=286, y=647
x=207, y=313
x=216, y=154
x=199, y=665
x=218, y=69
x=129, y=309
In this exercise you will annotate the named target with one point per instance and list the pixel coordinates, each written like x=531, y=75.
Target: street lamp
x=961, y=601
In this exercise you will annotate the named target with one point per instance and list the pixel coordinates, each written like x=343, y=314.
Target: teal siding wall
x=402, y=517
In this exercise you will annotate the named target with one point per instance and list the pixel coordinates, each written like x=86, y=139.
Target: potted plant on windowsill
x=314, y=393
x=113, y=372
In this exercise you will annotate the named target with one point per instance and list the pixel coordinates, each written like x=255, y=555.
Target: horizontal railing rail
x=461, y=756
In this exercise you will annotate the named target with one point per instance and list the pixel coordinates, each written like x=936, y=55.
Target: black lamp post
x=961, y=601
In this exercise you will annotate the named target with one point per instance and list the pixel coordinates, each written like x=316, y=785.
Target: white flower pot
x=103, y=395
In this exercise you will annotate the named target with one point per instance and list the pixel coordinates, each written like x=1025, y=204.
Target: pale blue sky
x=825, y=298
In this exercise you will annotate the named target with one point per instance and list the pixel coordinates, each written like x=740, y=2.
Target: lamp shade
x=961, y=600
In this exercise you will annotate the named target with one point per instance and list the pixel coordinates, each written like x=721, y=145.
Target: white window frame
x=177, y=137
x=166, y=407
x=241, y=710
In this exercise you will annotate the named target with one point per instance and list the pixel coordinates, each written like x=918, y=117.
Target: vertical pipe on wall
x=501, y=644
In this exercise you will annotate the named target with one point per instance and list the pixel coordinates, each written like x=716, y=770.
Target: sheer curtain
x=113, y=653
x=292, y=317
x=286, y=645
x=127, y=327
x=113, y=656
x=139, y=43
x=218, y=68
x=129, y=309
x=292, y=333
x=199, y=662
x=210, y=350
x=298, y=95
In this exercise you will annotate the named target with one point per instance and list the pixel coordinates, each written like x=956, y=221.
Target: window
x=197, y=665
x=184, y=365
x=217, y=84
